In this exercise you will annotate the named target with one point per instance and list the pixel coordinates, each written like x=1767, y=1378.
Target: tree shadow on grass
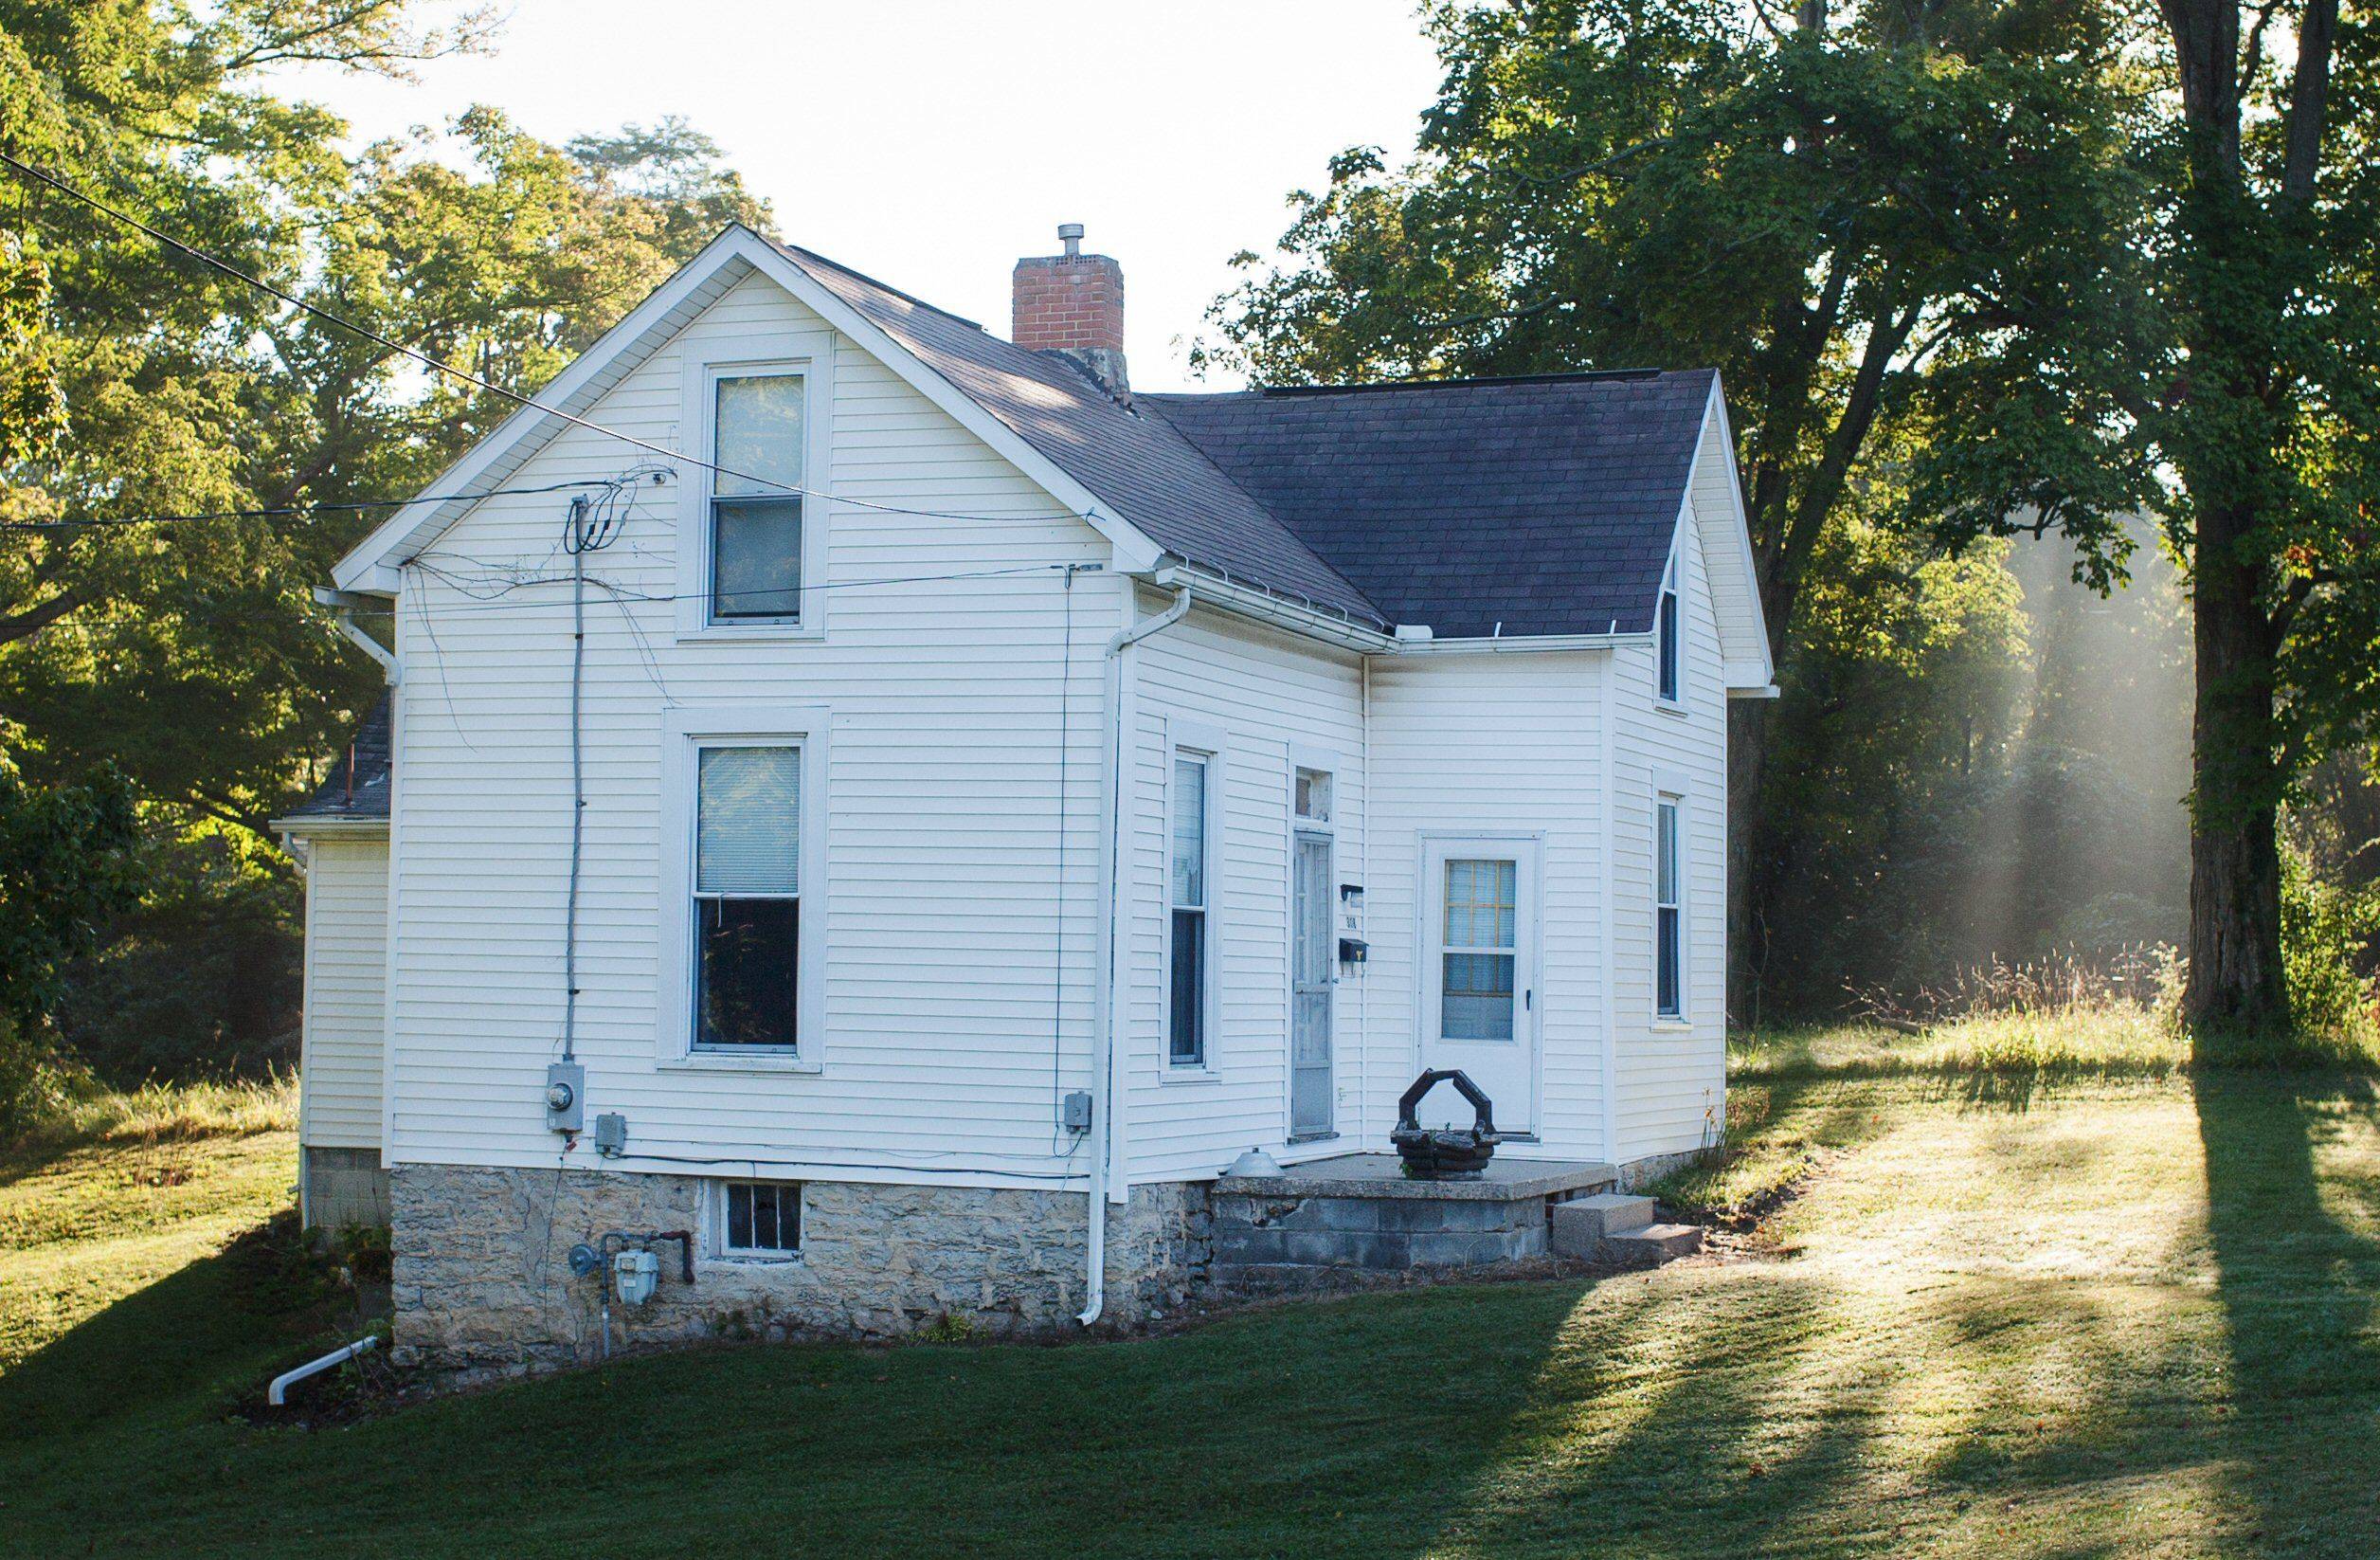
x=2300, y=1291
x=144, y=1352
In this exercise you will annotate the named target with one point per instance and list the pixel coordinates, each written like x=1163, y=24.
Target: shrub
x=2324, y=930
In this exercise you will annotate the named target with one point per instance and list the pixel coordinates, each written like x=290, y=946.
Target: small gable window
x=757, y=438
x=1666, y=634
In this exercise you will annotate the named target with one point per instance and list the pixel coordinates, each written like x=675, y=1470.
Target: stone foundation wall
x=1641, y=1172
x=344, y=1186
x=482, y=1284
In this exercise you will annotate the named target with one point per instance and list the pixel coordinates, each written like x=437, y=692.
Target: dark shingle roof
x=1138, y=464
x=358, y=786
x=1545, y=504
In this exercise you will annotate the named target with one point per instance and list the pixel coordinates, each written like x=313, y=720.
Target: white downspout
x=343, y=606
x=277, y=1393
x=1106, y=1105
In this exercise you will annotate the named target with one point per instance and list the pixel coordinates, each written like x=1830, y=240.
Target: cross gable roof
x=1522, y=507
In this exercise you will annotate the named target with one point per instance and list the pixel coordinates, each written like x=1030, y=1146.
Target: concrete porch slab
x=1384, y=1175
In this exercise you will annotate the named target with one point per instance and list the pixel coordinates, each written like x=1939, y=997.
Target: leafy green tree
x=1819, y=207
x=133, y=383
x=2246, y=391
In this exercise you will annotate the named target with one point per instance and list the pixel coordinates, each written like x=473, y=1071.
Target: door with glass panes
x=1313, y=965
x=1480, y=1004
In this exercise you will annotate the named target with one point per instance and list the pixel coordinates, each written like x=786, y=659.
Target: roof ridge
x=1381, y=386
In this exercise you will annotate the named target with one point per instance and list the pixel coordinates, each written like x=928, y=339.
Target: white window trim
x=716, y=1214
x=1207, y=741
x=1670, y=793
x=1322, y=761
x=1672, y=589
x=683, y=732
x=811, y=355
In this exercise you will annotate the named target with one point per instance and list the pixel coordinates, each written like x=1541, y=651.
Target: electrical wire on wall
x=593, y=523
x=1057, y=953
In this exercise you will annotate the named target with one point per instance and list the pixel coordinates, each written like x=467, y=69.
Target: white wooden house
x=1006, y=799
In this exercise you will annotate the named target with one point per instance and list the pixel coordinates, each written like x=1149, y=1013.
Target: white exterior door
x=1313, y=965
x=1479, y=1004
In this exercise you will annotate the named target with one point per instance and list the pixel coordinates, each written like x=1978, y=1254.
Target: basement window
x=759, y=1219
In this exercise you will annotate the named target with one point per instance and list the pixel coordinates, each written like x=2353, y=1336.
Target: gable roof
x=1139, y=464
x=1541, y=505
x=356, y=789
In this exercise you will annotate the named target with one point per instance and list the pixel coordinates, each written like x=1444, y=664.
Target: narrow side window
x=1190, y=946
x=1669, y=923
x=1666, y=634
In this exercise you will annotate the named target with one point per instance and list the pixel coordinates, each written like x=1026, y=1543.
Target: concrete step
x=1649, y=1245
x=1579, y=1227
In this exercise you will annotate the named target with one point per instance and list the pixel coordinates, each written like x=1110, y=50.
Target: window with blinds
x=757, y=436
x=1477, y=949
x=747, y=897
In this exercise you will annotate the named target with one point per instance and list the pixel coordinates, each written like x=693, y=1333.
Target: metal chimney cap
x=1070, y=234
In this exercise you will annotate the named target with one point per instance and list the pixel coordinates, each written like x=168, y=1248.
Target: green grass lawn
x=2042, y=1310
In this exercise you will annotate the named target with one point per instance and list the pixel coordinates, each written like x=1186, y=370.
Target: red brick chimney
x=1074, y=303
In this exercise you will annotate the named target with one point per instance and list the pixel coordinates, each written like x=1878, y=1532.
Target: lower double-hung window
x=747, y=897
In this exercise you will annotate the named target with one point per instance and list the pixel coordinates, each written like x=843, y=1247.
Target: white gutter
x=1106, y=1094
x=1264, y=606
x=343, y=606
x=278, y=1394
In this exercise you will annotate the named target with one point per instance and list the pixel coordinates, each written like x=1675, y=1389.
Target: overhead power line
x=284, y=511
x=44, y=177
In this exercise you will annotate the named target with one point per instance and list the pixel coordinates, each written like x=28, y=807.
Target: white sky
x=929, y=143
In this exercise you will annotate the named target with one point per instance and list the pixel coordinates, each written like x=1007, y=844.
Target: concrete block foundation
x=343, y=1187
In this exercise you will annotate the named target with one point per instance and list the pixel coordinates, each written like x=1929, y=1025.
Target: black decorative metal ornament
x=1445, y=1154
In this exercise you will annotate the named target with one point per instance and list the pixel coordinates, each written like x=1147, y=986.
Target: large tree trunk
x=2235, y=972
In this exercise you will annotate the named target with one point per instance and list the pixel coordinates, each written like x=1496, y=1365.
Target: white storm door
x=1313, y=968
x=1479, y=974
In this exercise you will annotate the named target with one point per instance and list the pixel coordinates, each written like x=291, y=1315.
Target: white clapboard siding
x=1507, y=742
x=346, y=1006
x=1271, y=699
x=1672, y=1078
x=958, y=989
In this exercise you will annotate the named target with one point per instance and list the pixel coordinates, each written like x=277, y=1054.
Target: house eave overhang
x=374, y=567
x=1752, y=677
x=328, y=826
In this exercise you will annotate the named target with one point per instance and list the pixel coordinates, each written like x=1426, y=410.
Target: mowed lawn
x=2006, y=1315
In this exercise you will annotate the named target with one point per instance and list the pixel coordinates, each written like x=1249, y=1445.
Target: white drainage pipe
x=278, y=1394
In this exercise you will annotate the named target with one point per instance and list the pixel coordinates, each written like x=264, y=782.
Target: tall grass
x=82, y=1112
x=2065, y=1014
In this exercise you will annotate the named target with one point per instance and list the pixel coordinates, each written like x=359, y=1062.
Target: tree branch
x=2309, y=101
x=33, y=620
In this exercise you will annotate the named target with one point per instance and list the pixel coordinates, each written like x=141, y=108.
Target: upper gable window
x=758, y=437
x=1666, y=634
